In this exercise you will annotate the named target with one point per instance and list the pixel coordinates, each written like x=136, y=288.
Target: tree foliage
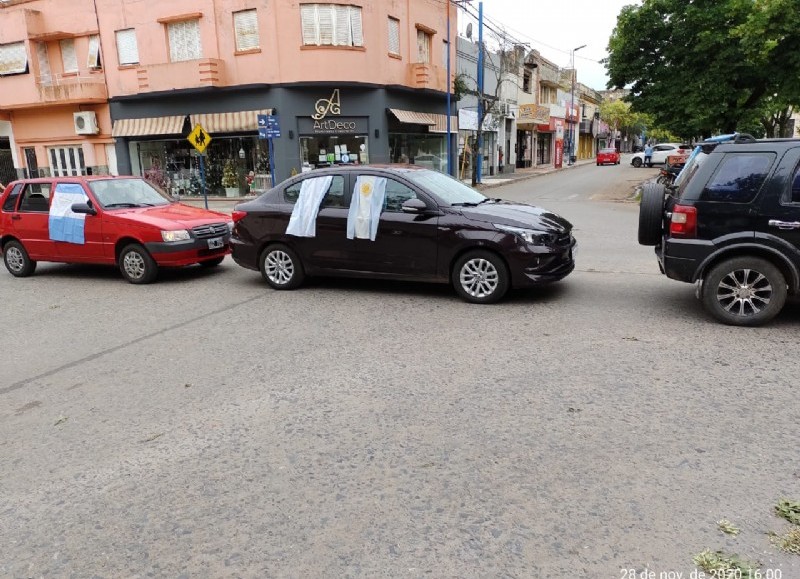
x=704, y=66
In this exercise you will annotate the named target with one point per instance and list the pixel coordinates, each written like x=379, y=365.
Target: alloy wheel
x=14, y=259
x=744, y=292
x=279, y=267
x=134, y=265
x=479, y=278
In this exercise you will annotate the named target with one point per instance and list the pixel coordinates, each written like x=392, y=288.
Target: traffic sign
x=273, y=132
x=199, y=138
x=267, y=121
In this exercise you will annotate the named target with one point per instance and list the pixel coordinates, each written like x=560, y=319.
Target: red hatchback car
x=121, y=221
x=610, y=155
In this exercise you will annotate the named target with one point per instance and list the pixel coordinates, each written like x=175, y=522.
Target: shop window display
x=327, y=150
x=235, y=166
x=424, y=150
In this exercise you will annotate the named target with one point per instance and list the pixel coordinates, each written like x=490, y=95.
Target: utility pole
x=450, y=164
x=572, y=107
x=479, y=156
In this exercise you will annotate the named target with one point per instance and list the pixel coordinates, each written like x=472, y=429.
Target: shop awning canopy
x=413, y=117
x=440, y=125
x=148, y=126
x=234, y=122
x=230, y=122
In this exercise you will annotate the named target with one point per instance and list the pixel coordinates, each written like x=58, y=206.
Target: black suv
x=731, y=224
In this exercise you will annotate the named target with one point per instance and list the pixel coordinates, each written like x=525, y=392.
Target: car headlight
x=230, y=226
x=176, y=235
x=531, y=236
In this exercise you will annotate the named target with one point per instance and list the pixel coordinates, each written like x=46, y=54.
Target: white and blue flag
x=64, y=224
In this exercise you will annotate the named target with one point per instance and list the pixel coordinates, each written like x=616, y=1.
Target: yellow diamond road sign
x=199, y=139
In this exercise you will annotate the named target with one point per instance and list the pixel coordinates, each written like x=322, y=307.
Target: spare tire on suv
x=651, y=214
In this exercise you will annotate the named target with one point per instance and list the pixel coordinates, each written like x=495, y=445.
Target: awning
x=235, y=122
x=440, y=125
x=147, y=127
x=229, y=122
x=413, y=117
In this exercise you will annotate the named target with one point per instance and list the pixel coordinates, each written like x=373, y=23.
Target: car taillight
x=237, y=216
x=683, y=222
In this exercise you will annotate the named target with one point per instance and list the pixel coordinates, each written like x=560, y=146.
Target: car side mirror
x=83, y=208
x=414, y=206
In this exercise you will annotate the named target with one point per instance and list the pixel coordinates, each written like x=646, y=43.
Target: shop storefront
x=531, y=119
x=467, y=143
x=319, y=127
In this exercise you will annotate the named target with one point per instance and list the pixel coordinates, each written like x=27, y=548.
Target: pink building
x=120, y=88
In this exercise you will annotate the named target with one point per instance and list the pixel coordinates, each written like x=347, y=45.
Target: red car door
x=30, y=221
x=91, y=249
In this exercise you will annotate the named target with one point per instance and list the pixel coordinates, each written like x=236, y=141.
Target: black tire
x=18, y=262
x=763, y=288
x=651, y=214
x=209, y=263
x=481, y=277
x=637, y=162
x=598, y=164
x=136, y=264
x=281, y=267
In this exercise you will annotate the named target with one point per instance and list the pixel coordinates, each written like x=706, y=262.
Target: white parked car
x=660, y=153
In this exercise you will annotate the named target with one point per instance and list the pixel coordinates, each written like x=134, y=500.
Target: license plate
x=574, y=250
x=215, y=243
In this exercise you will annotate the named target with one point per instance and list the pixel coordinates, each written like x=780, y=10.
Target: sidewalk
x=226, y=204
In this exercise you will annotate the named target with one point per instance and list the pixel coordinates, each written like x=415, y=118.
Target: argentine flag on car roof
x=63, y=223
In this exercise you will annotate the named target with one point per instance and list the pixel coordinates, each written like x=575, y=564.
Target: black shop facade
x=321, y=126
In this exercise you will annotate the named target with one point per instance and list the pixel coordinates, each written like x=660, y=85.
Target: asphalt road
x=206, y=426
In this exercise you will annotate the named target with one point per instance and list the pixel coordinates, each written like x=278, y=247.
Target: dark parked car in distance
x=431, y=228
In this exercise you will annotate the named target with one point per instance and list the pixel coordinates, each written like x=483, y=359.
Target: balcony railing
x=72, y=88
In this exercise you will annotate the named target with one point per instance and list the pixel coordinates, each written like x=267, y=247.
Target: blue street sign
x=267, y=120
x=269, y=132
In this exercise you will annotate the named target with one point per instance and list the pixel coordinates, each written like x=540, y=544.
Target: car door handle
x=784, y=224
x=396, y=232
x=16, y=217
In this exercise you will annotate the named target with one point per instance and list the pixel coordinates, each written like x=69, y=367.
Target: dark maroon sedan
x=403, y=223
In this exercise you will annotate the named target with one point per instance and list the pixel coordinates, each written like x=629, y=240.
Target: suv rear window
x=739, y=177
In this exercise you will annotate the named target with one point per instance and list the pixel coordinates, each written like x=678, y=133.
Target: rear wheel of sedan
x=281, y=267
x=637, y=162
x=136, y=264
x=480, y=277
x=17, y=261
x=744, y=291
x=651, y=214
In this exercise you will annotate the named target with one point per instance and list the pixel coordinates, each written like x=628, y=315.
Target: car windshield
x=446, y=188
x=117, y=193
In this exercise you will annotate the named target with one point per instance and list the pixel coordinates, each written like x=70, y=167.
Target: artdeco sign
x=319, y=123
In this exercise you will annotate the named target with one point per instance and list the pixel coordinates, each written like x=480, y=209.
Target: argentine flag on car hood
x=63, y=223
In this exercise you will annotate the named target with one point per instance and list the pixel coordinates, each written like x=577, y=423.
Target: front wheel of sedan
x=18, y=262
x=744, y=291
x=637, y=162
x=481, y=277
x=136, y=265
x=281, y=268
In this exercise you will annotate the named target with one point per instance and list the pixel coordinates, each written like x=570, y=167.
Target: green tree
x=707, y=65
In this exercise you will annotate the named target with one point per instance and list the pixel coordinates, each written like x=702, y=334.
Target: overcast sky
x=555, y=27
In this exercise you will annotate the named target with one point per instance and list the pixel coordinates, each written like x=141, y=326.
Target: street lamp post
x=572, y=106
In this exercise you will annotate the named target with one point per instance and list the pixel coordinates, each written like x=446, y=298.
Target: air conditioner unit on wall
x=85, y=123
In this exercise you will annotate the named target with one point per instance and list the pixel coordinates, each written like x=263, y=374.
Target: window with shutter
x=342, y=35
x=308, y=19
x=245, y=26
x=184, y=40
x=13, y=58
x=94, y=52
x=325, y=15
x=68, y=56
x=44, y=62
x=394, y=36
x=357, y=32
x=331, y=25
x=423, y=46
x=127, y=48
